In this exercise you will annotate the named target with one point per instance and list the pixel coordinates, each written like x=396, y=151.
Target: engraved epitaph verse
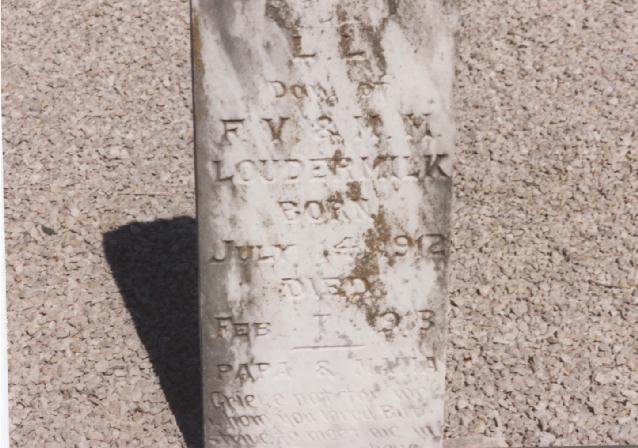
x=324, y=142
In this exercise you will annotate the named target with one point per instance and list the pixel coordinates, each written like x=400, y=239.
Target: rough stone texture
x=545, y=271
x=98, y=135
x=97, y=129
x=475, y=442
x=324, y=141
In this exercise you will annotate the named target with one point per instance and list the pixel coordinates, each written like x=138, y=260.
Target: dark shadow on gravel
x=155, y=267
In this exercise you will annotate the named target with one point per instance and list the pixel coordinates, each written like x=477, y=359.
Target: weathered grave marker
x=324, y=139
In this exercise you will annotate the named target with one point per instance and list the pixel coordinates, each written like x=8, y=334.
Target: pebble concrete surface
x=99, y=188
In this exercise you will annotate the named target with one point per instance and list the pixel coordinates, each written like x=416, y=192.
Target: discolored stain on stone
x=380, y=159
x=282, y=14
x=371, y=39
x=374, y=122
x=367, y=269
x=393, y=6
x=336, y=160
x=197, y=45
x=354, y=191
x=379, y=235
x=375, y=38
x=334, y=201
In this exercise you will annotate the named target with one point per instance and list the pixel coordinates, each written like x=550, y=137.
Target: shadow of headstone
x=155, y=267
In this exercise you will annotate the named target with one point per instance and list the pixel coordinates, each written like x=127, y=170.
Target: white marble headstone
x=324, y=139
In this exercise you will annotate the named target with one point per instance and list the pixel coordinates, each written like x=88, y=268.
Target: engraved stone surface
x=324, y=139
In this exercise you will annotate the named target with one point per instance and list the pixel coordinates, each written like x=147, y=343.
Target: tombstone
x=324, y=138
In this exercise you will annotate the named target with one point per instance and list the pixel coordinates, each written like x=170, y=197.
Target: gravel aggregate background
x=543, y=344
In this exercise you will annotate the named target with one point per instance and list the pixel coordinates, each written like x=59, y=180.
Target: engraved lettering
x=297, y=48
x=392, y=431
x=349, y=34
x=279, y=87
x=219, y=177
x=216, y=258
x=325, y=95
x=246, y=421
x=266, y=170
x=314, y=209
x=319, y=168
x=323, y=368
x=261, y=328
x=347, y=245
x=327, y=130
x=338, y=168
x=388, y=321
x=222, y=325
x=289, y=208
x=276, y=128
x=418, y=126
x=241, y=330
x=245, y=252
x=246, y=170
x=379, y=167
x=244, y=372
x=293, y=286
x=427, y=320
x=433, y=244
x=433, y=167
x=263, y=254
x=294, y=169
x=366, y=89
x=323, y=175
x=223, y=369
x=232, y=402
x=298, y=91
x=282, y=372
x=318, y=288
x=403, y=243
x=333, y=209
x=374, y=123
x=427, y=432
x=321, y=320
x=231, y=126
x=240, y=440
